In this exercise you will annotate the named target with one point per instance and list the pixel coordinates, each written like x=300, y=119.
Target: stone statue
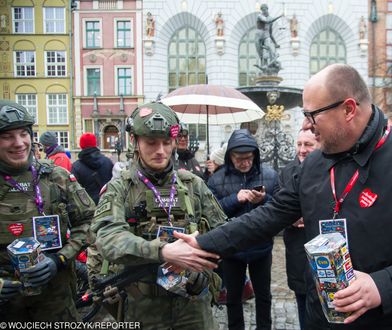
x=362, y=28
x=219, y=25
x=294, y=27
x=150, y=25
x=265, y=42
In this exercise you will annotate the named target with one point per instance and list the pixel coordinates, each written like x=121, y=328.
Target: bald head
x=345, y=103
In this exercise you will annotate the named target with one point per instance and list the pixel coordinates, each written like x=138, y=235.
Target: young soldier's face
x=155, y=153
x=15, y=147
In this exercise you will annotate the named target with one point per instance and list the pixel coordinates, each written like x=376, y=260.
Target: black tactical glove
x=9, y=288
x=197, y=282
x=41, y=273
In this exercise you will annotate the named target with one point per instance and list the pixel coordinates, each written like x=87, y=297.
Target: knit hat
x=218, y=156
x=88, y=140
x=48, y=139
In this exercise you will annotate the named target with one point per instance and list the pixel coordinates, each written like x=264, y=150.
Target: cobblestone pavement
x=284, y=307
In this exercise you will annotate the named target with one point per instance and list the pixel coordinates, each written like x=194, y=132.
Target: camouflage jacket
x=121, y=243
x=62, y=195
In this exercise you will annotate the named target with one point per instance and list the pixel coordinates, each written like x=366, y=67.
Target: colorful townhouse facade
x=35, y=62
x=108, y=75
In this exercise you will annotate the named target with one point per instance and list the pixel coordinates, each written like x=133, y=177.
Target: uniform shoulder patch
x=72, y=178
x=102, y=208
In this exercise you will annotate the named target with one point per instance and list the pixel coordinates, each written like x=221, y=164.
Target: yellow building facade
x=36, y=63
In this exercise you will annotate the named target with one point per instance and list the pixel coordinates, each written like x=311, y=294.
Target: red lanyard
x=353, y=180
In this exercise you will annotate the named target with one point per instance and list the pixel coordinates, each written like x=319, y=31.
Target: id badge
x=334, y=226
x=47, y=232
x=165, y=233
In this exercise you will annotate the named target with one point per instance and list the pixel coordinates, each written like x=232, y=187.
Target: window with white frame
x=55, y=64
x=93, y=81
x=93, y=34
x=23, y=19
x=24, y=63
x=29, y=101
x=124, y=36
x=35, y=137
x=57, y=109
x=124, y=81
x=54, y=20
x=62, y=138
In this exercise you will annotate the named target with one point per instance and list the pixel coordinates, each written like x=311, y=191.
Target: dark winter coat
x=294, y=240
x=309, y=195
x=228, y=181
x=92, y=170
x=187, y=161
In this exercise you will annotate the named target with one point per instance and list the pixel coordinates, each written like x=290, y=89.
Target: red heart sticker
x=174, y=130
x=367, y=198
x=145, y=112
x=16, y=228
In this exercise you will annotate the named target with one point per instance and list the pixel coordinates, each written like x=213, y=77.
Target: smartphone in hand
x=259, y=188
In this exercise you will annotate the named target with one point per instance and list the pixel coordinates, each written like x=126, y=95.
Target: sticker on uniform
x=103, y=208
x=83, y=196
x=174, y=130
x=367, y=198
x=103, y=189
x=145, y=112
x=72, y=178
x=47, y=231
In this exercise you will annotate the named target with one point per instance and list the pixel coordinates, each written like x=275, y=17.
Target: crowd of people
x=161, y=209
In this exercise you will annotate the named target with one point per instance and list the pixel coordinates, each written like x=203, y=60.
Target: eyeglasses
x=310, y=115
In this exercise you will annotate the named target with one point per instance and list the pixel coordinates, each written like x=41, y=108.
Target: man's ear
x=350, y=109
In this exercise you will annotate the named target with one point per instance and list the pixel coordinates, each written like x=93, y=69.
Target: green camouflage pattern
x=120, y=243
x=13, y=115
x=62, y=195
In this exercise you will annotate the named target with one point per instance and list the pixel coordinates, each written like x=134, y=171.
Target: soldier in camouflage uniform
x=30, y=188
x=129, y=214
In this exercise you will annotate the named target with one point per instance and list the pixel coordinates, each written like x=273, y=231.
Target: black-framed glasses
x=311, y=114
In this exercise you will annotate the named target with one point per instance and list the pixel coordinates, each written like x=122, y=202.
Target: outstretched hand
x=358, y=298
x=186, y=253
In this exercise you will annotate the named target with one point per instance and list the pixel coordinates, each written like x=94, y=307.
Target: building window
x=247, y=60
x=35, y=137
x=25, y=63
x=124, y=81
x=93, y=34
x=55, y=64
x=187, y=59
x=93, y=82
x=88, y=125
x=124, y=37
x=62, y=138
x=29, y=101
x=23, y=19
x=187, y=66
x=326, y=48
x=54, y=20
x=57, y=109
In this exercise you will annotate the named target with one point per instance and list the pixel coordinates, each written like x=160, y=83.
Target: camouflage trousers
x=164, y=312
x=55, y=303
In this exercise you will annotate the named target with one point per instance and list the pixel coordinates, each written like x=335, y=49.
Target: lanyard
x=38, y=196
x=149, y=185
x=353, y=180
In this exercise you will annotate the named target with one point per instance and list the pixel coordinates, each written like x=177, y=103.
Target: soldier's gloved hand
x=9, y=288
x=41, y=273
x=197, y=282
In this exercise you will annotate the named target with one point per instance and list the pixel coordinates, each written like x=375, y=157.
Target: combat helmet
x=154, y=120
x=13, y=115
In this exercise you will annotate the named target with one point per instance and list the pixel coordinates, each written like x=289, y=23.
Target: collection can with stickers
x=24, y=253
x=332, y=270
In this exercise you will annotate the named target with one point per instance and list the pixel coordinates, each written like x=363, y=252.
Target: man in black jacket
x=348, y=178
x=93, y=170
x=294, y=236
x=235, y=186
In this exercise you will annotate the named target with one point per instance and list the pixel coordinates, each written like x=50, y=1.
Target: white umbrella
x=212, y=105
